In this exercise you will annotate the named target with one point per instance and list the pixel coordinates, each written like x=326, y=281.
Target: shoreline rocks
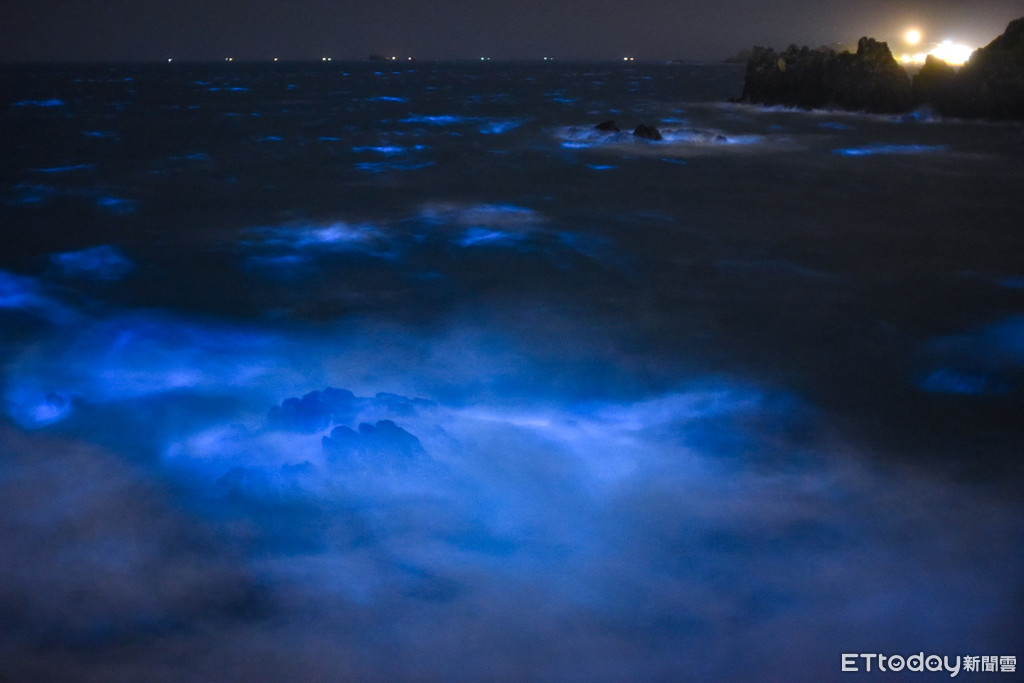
x=990, y=85
x=646, y=132
x=642, y=131
x=870, y=80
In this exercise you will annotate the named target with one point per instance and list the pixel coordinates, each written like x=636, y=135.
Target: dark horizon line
x=331, y=61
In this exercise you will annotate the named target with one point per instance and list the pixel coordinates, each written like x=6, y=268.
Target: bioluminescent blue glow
x=32, y=193
x=987, y=360
x=881, y=149
x=17, y=292
x=337, y=236
x=117, y=205
x=53, y=102
x=1013, y=282
x=386, y=150
x=103, y=262
x=128, y=358
x=414, y=374
x=500, y=127
x=483, y=236
x=435, y=120
x=683, y=140
x=25, y=295
x=698, y=137
x=385, y=166
x=65, y=169
x=952, y=381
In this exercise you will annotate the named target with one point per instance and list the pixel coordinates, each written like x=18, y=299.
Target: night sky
x=143, y=30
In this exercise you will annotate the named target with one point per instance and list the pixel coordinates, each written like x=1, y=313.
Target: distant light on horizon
x=955, y=54
x=912, y=36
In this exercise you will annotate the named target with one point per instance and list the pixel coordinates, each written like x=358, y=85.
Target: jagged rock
x=869, y=80
x=991, y=83
x=646, y=132
x=607, y=126
x=933, y=84
x=796, y=77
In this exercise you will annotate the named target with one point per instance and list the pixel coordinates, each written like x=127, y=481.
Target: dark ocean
x=363, y=371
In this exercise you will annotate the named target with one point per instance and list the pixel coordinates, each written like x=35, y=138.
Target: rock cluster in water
x=990, y=85
x=642, y=131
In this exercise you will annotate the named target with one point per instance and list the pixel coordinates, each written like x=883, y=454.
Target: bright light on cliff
x=952, y=53
x=948, y=51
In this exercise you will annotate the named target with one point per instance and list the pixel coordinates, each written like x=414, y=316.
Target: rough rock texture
x=870, y=80
x=991, y=84
x=933, y=83
x=647, y=132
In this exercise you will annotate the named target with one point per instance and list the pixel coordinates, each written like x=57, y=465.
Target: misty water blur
x=356, y=371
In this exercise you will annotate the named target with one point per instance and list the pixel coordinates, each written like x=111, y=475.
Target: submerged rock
x=607, y=126
x=383, y=446
x=646, y=132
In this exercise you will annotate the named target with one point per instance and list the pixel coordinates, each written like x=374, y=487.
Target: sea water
x=410, y=372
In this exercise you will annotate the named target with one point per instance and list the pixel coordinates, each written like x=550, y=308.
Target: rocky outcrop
x=933, y=83
x=990, y=85
x=869, y=80
x=642, y=131
x=645, y=132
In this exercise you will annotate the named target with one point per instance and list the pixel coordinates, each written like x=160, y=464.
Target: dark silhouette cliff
x=868, y=80
x=990, y=85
